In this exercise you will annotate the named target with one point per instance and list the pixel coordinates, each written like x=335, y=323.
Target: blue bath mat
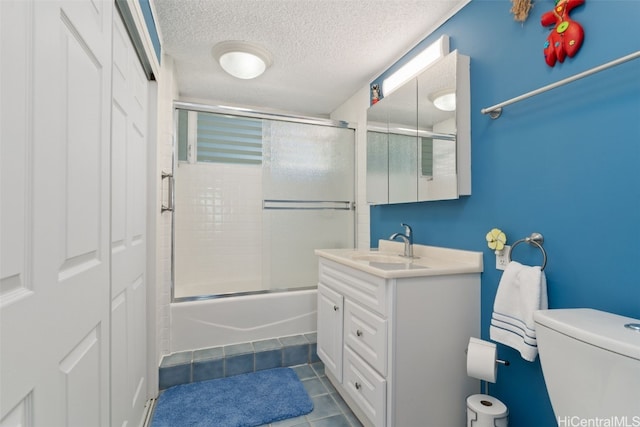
x=240, y=401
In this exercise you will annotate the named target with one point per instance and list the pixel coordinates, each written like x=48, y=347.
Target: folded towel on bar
x=521, y=291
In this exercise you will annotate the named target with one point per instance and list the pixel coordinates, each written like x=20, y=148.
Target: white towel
x=522, y=290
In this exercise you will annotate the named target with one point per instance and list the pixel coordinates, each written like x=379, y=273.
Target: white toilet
x=591, y=365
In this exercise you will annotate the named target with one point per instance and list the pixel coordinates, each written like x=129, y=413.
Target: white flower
x=496, y=239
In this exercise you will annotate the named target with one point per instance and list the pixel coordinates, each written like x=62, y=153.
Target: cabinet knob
x=358, y=386
x=336, y=308
x=359, y=333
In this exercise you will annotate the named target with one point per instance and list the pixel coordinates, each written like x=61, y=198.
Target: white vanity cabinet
x=394, y=347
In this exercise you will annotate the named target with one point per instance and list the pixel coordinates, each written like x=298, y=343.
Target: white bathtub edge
x=232, y=320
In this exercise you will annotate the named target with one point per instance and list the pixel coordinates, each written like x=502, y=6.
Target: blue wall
x=565, y=163
x=151, y=28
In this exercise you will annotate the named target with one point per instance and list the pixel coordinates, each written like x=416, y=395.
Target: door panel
x=128, y=235
x=16, y=118
x=81, y=143
x=54, y=270
x=78, y=371
x=54, y=297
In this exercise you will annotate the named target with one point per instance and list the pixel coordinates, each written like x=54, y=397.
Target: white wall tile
x=218, y=222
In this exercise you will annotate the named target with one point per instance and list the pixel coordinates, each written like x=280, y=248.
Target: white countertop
x=387, y=261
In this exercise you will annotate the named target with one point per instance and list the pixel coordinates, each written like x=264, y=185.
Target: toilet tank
x=591, y=366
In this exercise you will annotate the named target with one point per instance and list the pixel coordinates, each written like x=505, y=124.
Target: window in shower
x=253, y=198
x=219, y=139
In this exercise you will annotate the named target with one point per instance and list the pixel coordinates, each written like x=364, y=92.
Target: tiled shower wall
x=218, y=224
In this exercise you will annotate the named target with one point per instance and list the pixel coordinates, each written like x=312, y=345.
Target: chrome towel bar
x=496, y=110
x=308, y=205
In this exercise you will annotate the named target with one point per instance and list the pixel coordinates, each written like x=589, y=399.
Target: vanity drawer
x=366, y=387
x=367, y=289
x=366, y=333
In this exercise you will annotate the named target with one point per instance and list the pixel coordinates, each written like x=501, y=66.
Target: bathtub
x=237, y=319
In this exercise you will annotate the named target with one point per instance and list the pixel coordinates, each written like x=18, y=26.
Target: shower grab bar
x=496, y=110
x=170, y=194
x=308, y=204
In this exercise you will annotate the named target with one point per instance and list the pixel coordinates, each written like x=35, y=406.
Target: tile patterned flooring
x=329, y=409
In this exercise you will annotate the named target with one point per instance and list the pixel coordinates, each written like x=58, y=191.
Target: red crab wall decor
x=567, y=35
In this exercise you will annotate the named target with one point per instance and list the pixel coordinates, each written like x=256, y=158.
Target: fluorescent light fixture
x=242, y=59
x=444, y=100
x=422, y=60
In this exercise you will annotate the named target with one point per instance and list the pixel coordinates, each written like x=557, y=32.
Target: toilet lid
x=486, y=404
x=598, y=328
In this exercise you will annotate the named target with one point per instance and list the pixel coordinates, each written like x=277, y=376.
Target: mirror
x=392, y=147
x=416, y=151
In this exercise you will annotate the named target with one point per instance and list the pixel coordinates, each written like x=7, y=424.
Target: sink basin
x=396, y=266
x=388, y=261
x=385, y=258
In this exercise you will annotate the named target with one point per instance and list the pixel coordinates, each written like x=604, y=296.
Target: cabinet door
x=330, y=321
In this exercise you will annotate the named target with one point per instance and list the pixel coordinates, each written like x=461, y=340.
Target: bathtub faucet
x=407, y=238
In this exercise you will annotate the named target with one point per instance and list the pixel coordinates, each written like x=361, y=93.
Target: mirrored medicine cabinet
x=416, y=151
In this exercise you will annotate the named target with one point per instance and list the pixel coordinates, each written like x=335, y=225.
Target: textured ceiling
x=323, y=51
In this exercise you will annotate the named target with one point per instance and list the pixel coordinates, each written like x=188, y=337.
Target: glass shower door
x=308, y=194
x=254, y=198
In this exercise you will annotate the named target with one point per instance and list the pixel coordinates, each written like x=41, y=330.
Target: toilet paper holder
x=498, y=361
x=484, y=362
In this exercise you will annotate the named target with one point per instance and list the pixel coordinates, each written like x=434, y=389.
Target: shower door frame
x=254, y=114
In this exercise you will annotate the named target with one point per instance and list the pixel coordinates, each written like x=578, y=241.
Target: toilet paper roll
x=481, y=360
x=486, y=411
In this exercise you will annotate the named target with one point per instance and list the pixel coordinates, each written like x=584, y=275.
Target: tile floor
x=329, y=409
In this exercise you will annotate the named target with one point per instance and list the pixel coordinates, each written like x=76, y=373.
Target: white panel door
x=128, y=232
x=55, y=209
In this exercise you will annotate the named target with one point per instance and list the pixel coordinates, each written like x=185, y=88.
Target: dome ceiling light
x=242, y=59
x=444, y=100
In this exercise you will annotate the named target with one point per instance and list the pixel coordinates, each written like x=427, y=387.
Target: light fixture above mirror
x=416, y=65
x=242, y=59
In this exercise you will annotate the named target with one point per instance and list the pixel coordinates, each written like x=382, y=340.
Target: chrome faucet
x=407, y=238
